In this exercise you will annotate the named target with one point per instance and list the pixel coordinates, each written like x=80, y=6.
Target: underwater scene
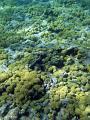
x=44, y=59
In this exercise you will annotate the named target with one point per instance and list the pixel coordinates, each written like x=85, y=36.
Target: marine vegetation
x=44, y=60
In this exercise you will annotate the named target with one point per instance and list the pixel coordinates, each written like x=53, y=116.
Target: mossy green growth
x=3, y=76
x=3, y=98
x=83, y=105
x=9, y=37
x=57, y=94
x=3, y=55
x=30, y=87
x=21, y=87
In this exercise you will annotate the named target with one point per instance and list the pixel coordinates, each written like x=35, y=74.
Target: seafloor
x=44, y=60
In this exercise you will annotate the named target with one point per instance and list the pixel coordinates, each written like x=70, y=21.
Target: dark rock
x=46, y=57
x=38, y=61
x=50, y=12
x=71, y=51
x=36, y=94
x=57, y=30
x=56, y=61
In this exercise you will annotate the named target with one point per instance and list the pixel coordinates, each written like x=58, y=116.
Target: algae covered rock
x=46, y=77
x=21, y=87
x=45, y=57
x=57, y=95
x=30, y=87
x=3, y=76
